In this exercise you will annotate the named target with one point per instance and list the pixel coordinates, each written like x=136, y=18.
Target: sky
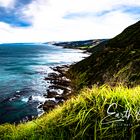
x=65, y=20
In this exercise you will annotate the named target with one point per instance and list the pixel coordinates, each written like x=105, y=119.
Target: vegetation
x=114, y=61
x=84, y=44
x=83, y=117
x=105, y=109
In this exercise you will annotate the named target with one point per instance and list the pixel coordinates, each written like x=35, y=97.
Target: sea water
x=23, y=67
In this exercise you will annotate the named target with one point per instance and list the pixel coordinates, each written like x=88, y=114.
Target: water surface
x=22, y=71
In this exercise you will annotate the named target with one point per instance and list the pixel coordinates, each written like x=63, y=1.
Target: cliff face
x=112, y=62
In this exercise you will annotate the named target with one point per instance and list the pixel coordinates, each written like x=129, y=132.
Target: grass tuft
x=85, y=117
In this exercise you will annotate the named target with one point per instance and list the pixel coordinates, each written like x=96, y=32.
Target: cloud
x=14, y=19
x=11, y=12
x=134, y=10
x=7, y=3
x=50, y=20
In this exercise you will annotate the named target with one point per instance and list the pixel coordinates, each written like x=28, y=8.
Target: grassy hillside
x=84, y=44
x=85, y=118
x=109, y=111
x=115, y=61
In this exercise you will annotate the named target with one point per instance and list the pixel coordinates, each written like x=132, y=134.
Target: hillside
x=112, y=62
x=84, y=118
x=84, y=44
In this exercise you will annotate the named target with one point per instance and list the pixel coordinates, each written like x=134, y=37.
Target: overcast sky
x=65, y=20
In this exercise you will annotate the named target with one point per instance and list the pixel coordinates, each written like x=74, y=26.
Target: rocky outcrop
x=59, y=88
x=48, y=105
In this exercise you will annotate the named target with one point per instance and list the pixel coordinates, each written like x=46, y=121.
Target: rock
x=66, y=79
x=60, y=102
x=40, y=106
x=58, y=81
x=30, y=98
x=58, y=87
x=48, y=105
x=61, y=82
x=47, y=78
x=61, y=97
x=51, y=94
x=61, y=69
x=53, y=75
x=50, y=78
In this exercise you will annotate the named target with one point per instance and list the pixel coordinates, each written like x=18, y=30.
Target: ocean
x=23, y=67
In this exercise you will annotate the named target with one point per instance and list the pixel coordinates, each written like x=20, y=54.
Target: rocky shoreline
x=59, y=89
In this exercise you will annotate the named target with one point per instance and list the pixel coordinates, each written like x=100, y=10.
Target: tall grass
x=85, y=117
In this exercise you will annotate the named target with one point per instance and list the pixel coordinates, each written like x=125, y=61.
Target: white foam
x=12, y=98
x=52, y=99
x=59, y=91
x=39, y=98
x=24, y=99
x=68, y=56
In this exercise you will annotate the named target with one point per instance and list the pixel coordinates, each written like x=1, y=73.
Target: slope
x=112, y=62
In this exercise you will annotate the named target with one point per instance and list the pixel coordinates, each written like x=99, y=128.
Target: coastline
x=59, y=89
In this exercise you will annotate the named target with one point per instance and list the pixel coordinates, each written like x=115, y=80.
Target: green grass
x=85, y=47
x=83, y=117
